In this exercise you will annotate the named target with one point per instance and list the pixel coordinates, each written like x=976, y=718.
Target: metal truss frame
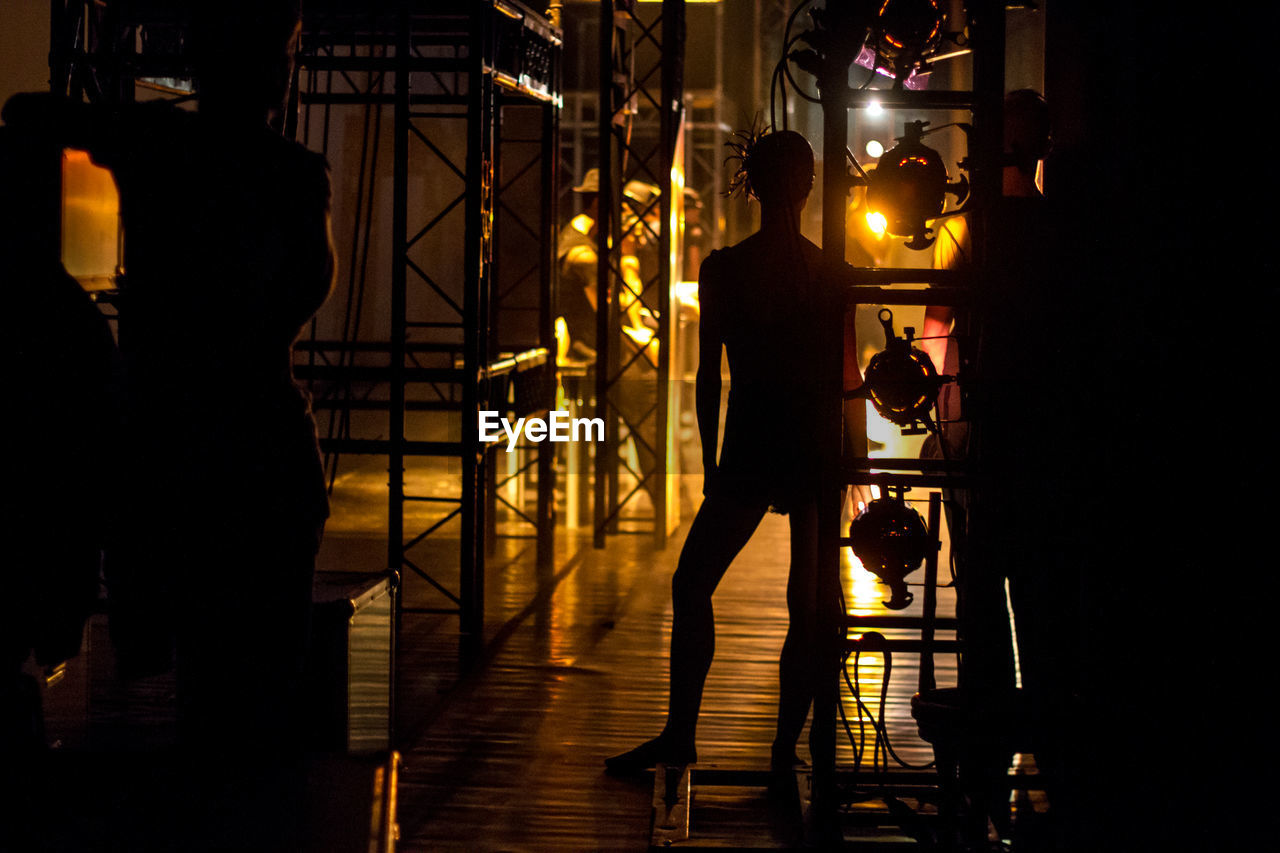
x=985, y=103
x=442, y=351
x=622, y=385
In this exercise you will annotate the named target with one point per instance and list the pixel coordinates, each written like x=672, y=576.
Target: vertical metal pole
x=757, y=51
x=616, y=177
x=835, y=189
x=673, y=34
x=927, y=681
x=613, y=352
x=988, y=121
x=607, y=452
x=547, y=281
x=392, y=680
x=399, y=270
x=475, y=335
x=488, y=495
x=977, y=586
x=717, y=223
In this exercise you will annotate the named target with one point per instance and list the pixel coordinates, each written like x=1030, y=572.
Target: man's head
x=241, y=52
x=776, y=168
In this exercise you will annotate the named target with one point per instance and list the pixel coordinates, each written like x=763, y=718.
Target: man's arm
x=707, y=386
x=937, y=325
x=951, y=251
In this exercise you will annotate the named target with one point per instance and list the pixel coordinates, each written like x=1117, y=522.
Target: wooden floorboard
x=511, y=757
x=503, y=751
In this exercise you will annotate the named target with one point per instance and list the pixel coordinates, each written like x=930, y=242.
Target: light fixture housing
x=909, y=186
x=891, y=540
x=901, y=381
x=905, y=32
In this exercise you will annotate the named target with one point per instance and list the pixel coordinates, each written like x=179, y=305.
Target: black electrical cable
x=858, y=166
x=862, y=707
x=859, y=748
x=884, y=728
x=878, y=725
x=786, y=67
x=791, y=19
x=871, y=75
x=773, y=108
x=848, y=730
x=925, y=133
x=787, y=41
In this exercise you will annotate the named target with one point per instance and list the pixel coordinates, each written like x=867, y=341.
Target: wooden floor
x=503, y=751
x=509, y=757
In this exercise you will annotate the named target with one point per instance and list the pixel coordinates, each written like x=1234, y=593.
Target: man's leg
x=721, y=528
x=796, y=667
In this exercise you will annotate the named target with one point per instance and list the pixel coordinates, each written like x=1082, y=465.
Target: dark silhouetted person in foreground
x=1021, y=527
x=228, y=255
x=763, y=300
x=62, y=375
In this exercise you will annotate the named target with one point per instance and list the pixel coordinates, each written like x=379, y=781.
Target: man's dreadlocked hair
x=774, y=167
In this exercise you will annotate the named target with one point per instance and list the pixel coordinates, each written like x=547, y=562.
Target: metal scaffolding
x=986, y=32
x=641, y=67
x=465, y=332
x=468, y=327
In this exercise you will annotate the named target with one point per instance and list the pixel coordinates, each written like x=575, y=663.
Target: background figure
x=576, y=258
x=56, y=500
x=634, y=396
x=1015, y=528
x=762, y=301
x=228, y=255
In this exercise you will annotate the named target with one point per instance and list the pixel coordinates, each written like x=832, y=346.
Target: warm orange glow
x=686, y=293
x=862, y=589
x=877, y=223
x=90, y=221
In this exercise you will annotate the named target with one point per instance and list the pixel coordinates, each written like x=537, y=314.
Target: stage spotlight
x=891, y=539
x=901, y=381
x=905, y=32
x=909, y=186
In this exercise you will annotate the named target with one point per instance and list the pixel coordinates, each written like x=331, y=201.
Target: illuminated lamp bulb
x=874, y=110
x=909, y=186
x=891, y=540
x=874, y=148
x=876, y=222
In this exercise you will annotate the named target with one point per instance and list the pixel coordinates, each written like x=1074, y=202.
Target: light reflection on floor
x=508, y=756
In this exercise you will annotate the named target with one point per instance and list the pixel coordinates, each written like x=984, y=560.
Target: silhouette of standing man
x=228, y=254
x=763, y=301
